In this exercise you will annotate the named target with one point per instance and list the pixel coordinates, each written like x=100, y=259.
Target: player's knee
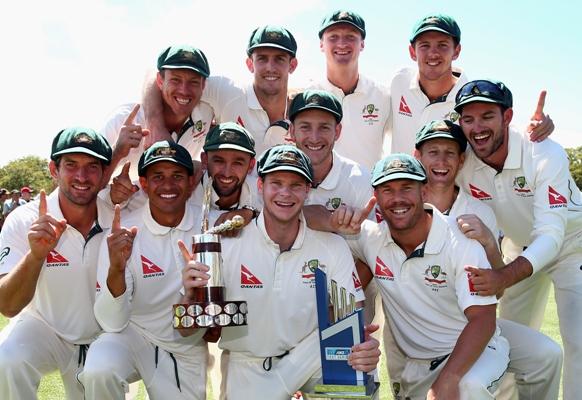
x=96, y=375
x=472, y=384
x=552, y=354
x=12, y=359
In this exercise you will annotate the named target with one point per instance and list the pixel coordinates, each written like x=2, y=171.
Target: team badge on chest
x=370, y=114
x=308, y=272
x=521, y=187
x=435, y=278
x=333, y=203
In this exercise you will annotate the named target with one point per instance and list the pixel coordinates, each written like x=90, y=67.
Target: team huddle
x=421, y=193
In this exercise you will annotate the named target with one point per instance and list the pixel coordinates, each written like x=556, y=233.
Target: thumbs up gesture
x=45, y=232
x=119, y=242
x=130, y=134
x=122, y=188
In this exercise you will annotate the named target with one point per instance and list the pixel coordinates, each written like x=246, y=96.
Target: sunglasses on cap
x=484, y=91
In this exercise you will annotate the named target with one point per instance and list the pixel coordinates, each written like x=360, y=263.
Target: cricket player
x=365, y=103
x=181, y=77
x=539, y=209
x=260, y=107
x=417, y=256
x=268, y=266
x=48, y=267
x=426, y=93
x=139, y=279
x=535, y=359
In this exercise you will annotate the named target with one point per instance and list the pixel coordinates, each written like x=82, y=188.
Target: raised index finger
x=42, y=207
x=131, y=116
x=125, y=170
x=116, y=224
x=369, y=206
x=540, y=107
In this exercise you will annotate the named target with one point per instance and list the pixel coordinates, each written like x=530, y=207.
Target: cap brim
x=141, y=171
x=441, y=135
x=83, y=150
x=197, y=70
x=476, y=99
x=398, y=175
x=229, y=146
x=271, y=45
x=287, y=168
x=316, y=107
x=322, y=30
x=428, y=29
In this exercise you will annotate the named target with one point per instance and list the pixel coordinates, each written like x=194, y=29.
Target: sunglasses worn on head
x=497, y=92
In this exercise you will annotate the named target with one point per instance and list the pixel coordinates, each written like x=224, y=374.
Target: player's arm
x=153, y=108
x=470, y=344
x=345, y=220
x=473, y=228
x=18, y=286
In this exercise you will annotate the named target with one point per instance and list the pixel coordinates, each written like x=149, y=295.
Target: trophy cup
x=209, y=309
x=341, y=326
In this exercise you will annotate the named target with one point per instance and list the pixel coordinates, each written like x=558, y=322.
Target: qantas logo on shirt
x=357, y=283
x=471, y=285
x=556, y=199
x=479, y=194
x=379, y=217
x=403, y=108
x=150, y=269
x=248, y=279
x=54, y=259
x=383, y=271
x=240, y=121
x=97, y=287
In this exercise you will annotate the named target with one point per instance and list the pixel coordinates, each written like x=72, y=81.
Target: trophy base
x=365, y=390
x=210, y=314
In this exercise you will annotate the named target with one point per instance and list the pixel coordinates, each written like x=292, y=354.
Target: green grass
x=51, y=387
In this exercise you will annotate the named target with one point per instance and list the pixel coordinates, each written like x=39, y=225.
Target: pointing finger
x=116, y=224
x=42, y=207
x=369, y=206
x=131, y=116
x=539, y=113
x=125, y=170
x=184, y=250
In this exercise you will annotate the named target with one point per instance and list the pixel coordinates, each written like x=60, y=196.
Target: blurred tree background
x=575, y=156
x=31, y=171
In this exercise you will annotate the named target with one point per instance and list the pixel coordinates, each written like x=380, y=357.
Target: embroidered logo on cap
x=55, y=259
x=383, y=271
x=478, y=193
x=150, y=269
x=83, y=138
x=248, y=279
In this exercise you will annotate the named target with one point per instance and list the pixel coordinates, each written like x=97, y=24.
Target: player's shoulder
x=403, y=76
x=21, y=218
x=373, y=85
x=547, y=151
x=352, y=169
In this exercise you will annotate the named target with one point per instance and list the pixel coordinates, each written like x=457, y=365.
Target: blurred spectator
x=12, y=203
x=26, y=193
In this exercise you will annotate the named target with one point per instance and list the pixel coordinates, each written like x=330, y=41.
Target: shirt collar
x=514, y=150
x=252, y=100
x=185, y=225
x=330, y=182
x=297, y=244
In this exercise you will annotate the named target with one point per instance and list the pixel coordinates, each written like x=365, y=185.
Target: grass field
x=51, y=387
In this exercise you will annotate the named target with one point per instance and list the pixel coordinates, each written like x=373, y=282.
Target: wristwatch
x=253, y=209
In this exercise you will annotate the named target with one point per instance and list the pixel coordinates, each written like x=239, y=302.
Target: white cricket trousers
x=247, y=378
x=526, y=301
x=479, y=383
x=30, y=349
x=534, y=358
x=117, y=359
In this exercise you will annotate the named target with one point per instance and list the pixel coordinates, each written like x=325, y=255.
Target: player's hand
x=243, y=212
x=348, y=220
x=119, y=242
x=130, y=134
x=122, y=188
x=541, y=125
x=194, y=274
x=45, y=232
x=473, y=228
x=486, y=282
x=157, y=132
x=365, y=356
x=444, y=388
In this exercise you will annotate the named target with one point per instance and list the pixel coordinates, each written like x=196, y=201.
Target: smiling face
x=271, y=68
x=442, y=159
x=434, y=53
x=78, y=176
x=228, y=169
x=181, y=89
x=168, y=186
x=485, y=126
x=341, y=44
x=401, y=205
x=315, y=132
x=283, y=196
